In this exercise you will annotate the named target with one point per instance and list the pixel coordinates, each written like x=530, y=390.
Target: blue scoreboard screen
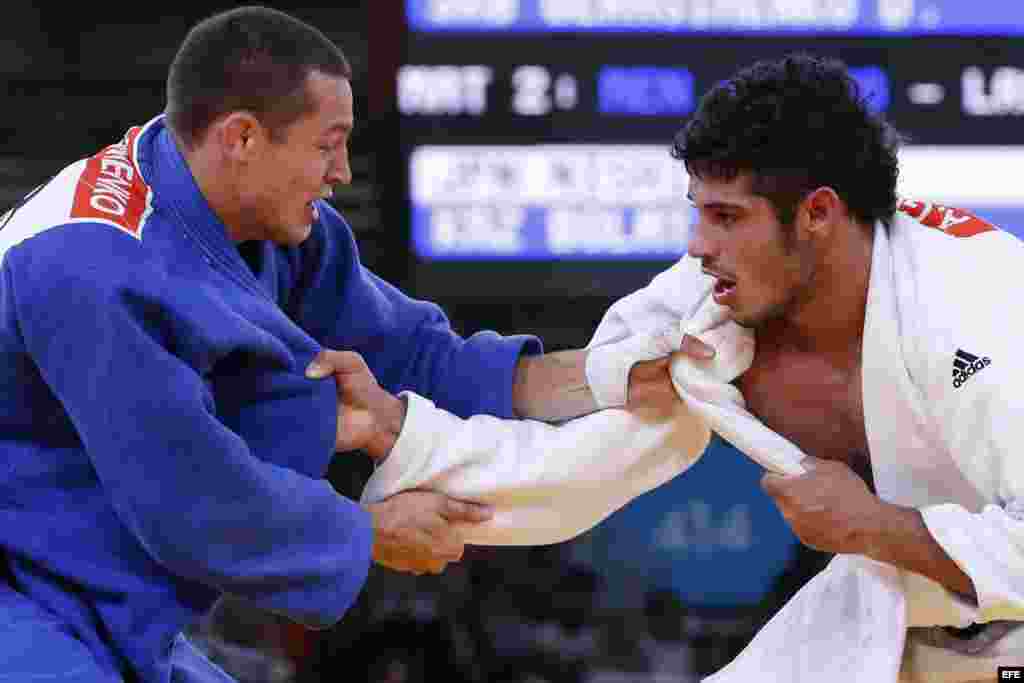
x=536, y=133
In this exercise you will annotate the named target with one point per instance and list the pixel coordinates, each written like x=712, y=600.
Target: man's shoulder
x=45, y=208
x=106, y=194
x=45, y=249
x=957, y=280
x=953, y=258
x=943, y=219
x=945, y=234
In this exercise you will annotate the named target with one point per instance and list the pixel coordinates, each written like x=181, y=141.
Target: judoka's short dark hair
x=796, y=124
x=255, y=59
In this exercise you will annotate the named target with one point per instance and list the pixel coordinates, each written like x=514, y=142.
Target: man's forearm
x=567, y=384
x=899, y=536
x=552, y=387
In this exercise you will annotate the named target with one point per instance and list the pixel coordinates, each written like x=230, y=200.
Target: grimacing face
x=308, y=159
x=760, y=268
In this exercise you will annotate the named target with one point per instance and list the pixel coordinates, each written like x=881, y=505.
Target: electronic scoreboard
x=535, y=134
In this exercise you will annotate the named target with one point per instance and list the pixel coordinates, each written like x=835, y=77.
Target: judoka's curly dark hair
x=255, y=59
x=797, y=123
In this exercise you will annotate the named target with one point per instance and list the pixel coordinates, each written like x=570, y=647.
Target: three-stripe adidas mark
x=966, y=365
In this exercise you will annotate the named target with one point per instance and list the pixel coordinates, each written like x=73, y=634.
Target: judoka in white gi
x=878, y=336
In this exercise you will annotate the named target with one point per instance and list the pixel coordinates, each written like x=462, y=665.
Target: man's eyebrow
x=718, y=205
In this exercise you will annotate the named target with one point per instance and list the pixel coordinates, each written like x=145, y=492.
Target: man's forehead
x=736, y=191
x=332, y=96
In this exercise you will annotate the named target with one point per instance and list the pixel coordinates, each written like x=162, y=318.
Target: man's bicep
x=410, y=345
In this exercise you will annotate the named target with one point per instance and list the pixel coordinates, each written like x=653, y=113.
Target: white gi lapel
x=902, y=462
x=911, y=464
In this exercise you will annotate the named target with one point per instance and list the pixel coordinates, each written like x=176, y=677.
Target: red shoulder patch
x=950, y=220
x=111, y=189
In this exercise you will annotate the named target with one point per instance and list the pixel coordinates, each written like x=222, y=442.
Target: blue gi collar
x=164, y=168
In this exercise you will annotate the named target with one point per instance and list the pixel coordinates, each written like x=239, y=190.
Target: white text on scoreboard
x=629, y=201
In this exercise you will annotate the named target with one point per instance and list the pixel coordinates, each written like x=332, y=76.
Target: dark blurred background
x=457, y=103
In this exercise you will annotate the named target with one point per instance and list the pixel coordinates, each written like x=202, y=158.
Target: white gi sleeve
x=547, y=483
x=550, y=483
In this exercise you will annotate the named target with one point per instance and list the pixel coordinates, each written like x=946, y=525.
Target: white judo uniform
x=943, y=396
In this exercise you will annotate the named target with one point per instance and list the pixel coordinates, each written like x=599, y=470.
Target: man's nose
x=340, y=173
x=698, y=245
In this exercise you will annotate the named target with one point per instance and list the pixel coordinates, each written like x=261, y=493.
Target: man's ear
x=240, y=136
x=819, y=212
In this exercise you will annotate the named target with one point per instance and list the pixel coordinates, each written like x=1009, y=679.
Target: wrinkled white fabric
x=721, y=404
x=948, y=448
x=845, y=624
x=549, y=483
x=607, y=367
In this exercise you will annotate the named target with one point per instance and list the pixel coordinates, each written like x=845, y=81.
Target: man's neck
x=830, y=320
x=210, y=177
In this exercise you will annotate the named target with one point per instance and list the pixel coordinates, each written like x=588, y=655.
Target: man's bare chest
x=813, y=403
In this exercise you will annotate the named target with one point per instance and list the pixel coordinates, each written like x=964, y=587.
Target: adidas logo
x=966, y=365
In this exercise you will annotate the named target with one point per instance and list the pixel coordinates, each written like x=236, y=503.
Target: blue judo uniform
x=159, y=442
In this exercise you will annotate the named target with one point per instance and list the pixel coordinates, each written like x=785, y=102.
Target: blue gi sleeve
x=409, y=344
x=187, y=487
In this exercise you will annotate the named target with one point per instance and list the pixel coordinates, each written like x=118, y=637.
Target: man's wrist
x=891, y=532
x=390, y=420
x=898, y=536
x=872, y=537
x=608, y=367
